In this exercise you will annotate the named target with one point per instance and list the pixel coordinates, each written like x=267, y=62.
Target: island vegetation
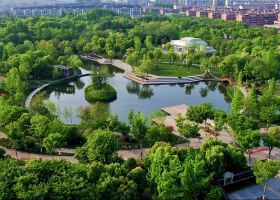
x=100, y=89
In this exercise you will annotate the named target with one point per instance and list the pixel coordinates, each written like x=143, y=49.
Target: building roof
x=188, y=41
x=255, y=191
x=62, y=67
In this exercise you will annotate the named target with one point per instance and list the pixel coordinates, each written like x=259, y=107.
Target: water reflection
x=79, y=84
x=189, y=88
x=142, y=91
x=137, y=97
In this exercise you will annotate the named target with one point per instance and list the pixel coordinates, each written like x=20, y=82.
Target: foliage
x=63, y=180
x=220, y=118
x=138, y=124
x=101, y=146
x=264, y=171
x=200, y=113
x=99, y=79
x=158, y=133
x=237, y=101
x=272, y=139
x=106, y=94
x=188, y=131
x=94, y=117
x=239, y=122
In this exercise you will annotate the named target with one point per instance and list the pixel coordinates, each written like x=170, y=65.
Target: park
x=104, y=106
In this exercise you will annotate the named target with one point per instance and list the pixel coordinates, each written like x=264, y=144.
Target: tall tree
x=149, y=43
x=99, y=78
x=39, y=128
x=101, y=146
x=138, y=123
x=272, y=139
x=157, y=52
x=250, y=104
x=264, y=171
x=248, y=139
x=52, y=141
x=237, y=101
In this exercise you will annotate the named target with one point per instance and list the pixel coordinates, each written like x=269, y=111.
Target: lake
x=131, y=95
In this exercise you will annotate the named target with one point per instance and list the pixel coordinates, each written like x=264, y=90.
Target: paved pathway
x=134, y=153
x=34, y=92
x=148, y=80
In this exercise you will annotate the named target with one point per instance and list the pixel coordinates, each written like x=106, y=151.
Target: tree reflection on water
x=142, y=91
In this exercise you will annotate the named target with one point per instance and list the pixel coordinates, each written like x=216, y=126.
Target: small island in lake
x=100, y=89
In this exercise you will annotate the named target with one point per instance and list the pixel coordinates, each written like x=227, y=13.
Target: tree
x=16, y=136
x=237, y=101
x=160, y=133
x=101, y=146
x=94, y=117
x=146, y=65
x=50, y=106
x=137, y=44
x=220, y=118
x=215, y=192
x=268, y=114
x=240, y=122
x=52, y=141
x=157, y=52
x=138, y=123
x=188, y=131
x=75, y=61
x=99, y=79
x=200, y=113
x=111, y=53
x=25, y=70
x=264, y=171
x=268, y=103
x=250, y=104
x=149, y=43
x=39, y=128
x=172, y=177
x=221, y=157
x=272, y=139
x=248, y=139
x=240, y=79
x=132, y=58
x=138, y=175
x=214, y=60
x=171, y=55
x=10, y=171
x=14, y=85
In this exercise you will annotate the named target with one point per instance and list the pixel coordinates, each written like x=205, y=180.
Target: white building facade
x=181, y=46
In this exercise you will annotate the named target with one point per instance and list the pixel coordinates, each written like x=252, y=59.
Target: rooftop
x=188, y=41
x=255, y=191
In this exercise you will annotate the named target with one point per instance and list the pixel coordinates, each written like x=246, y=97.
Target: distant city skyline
x=12, y=3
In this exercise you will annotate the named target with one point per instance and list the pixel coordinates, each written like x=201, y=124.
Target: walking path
x=125, y=154
x=150, y=79
x=39, y=89
x=133, y=153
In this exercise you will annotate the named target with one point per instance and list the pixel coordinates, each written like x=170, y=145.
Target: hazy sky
x=9, y=3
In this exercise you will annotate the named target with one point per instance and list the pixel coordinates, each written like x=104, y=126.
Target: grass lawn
x=107, y=94
x=179, y=70
x=175, y=70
